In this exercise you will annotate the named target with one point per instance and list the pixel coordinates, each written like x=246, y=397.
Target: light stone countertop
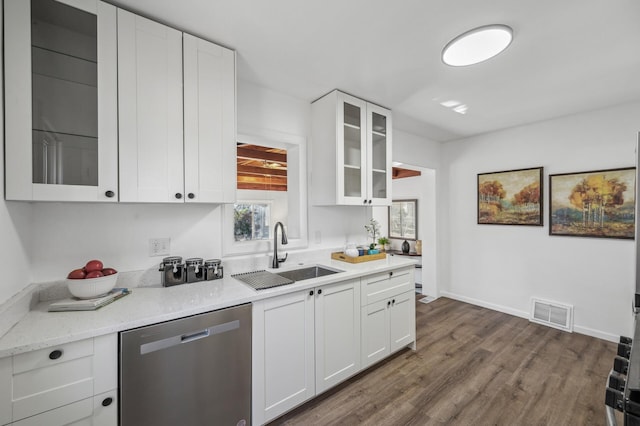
x=149, y=305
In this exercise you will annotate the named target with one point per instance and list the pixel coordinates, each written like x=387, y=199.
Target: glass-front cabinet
x=60, y=100
x=351, y=152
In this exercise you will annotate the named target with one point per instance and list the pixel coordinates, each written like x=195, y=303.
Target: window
x=261, y=167
x=271, y=187
x=251, y=221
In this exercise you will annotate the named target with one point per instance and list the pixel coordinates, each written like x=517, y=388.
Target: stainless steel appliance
x=191, y=371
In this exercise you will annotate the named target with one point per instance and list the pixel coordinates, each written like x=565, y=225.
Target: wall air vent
x=552, y=314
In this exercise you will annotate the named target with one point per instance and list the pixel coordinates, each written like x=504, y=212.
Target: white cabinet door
x=61, y=94
x=351, y=150
x=402, y=320
x=375, y=332
x=209, y=122
x=283, y=372
x=337, y=333
x=379, y=169
x=150, y=110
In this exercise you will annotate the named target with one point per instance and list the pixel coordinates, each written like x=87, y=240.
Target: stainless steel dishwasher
x=191, y=371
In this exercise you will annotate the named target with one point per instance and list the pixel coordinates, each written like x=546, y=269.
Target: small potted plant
x=373, y=229
x=384, y=243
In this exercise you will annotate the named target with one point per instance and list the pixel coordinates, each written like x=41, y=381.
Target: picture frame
x=512, y=197
x=596, y=204
x=403, y=219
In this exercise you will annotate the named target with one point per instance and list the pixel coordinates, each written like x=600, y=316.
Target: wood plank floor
x=473, y=366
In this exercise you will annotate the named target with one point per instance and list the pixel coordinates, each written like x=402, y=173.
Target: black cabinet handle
x=191, y=195
x=391, y=273
x=370, y=201
x=389, y=303
x=310, y=292
x=393, y=302
x=109, y=194
x=364, y=202
x=55, y=354
x=319, y=291
x=178, y=195
x=107, y=401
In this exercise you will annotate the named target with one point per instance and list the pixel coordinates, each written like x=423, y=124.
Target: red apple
x=76, y=274
x=94, y=265
x=109, y=271
x=94, y=274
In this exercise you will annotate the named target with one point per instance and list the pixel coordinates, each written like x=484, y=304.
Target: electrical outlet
x=159, y=246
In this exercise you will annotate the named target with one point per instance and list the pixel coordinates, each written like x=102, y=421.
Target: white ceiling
x=567, y=56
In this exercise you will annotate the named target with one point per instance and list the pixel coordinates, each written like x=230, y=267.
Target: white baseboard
x=523, y=314
x=492, y=306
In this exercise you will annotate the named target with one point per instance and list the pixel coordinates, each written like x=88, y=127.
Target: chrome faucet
x=277, y=261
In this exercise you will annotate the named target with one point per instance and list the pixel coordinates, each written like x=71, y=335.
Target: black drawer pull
x=178, y=195
x=320, y=291
x=109, y=194
x=391, y=273
x=191, y=195
x=55, y=354
x=389, y=303
x=107, y=401
x=310, y=292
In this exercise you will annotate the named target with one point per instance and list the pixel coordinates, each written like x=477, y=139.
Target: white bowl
x=90, y=288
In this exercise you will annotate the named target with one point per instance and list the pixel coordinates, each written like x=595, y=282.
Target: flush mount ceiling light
x=477, y=45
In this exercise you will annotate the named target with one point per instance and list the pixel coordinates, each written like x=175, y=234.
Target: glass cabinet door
x=379, y=155
x=353, y=151
x=64, y=50
x=72, y=123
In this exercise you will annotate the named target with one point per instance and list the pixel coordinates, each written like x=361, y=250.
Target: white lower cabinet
x=337, y=328
x=75, y=383
x=387, y=326
x=303, y=344
x=283, y=354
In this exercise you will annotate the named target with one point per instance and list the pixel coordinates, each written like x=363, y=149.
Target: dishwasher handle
x=186, y=338
x=180, y=339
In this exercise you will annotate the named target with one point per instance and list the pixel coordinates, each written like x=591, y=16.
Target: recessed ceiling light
x=477, y=45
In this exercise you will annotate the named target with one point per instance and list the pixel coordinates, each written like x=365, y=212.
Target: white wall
x=504, y=266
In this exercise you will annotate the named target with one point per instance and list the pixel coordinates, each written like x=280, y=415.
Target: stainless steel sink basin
x=308, y=272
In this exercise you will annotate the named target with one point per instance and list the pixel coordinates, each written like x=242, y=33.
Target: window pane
x=251, y=221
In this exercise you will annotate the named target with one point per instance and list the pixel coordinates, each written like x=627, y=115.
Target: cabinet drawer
x=105, y=409
x=42, y=389
x=386, y=284
x=52, y=356
x=69, y=414
x=45, y=380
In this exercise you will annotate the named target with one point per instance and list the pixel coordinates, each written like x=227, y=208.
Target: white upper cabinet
x=162, y=158
x=61, y=100
x=350, y=151
x=150, y=110
x=209, y=122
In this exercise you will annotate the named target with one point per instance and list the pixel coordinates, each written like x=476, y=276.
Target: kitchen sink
x=308, y=272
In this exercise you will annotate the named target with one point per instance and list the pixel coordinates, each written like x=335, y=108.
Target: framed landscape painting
x=599, y=204
x=512, y=197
